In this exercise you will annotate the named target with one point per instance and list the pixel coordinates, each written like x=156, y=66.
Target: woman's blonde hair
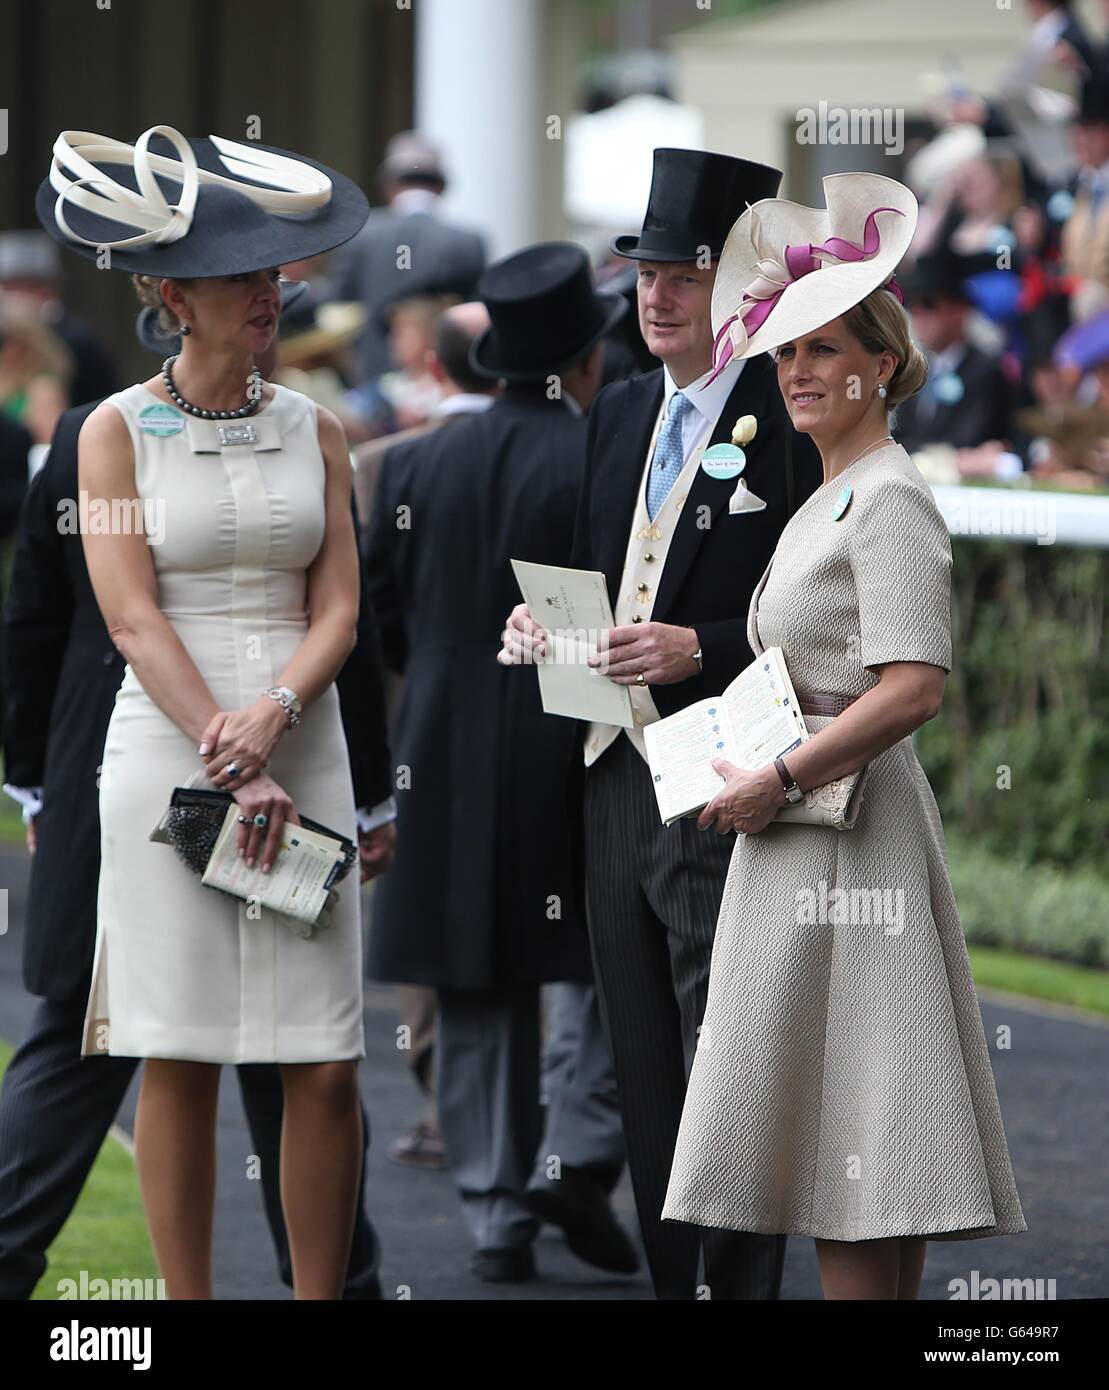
x=881, y=325
x=148, y=288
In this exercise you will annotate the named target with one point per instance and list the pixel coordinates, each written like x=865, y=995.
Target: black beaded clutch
x=194, y=818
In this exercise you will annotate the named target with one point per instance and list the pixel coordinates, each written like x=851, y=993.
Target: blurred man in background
x=405, y=245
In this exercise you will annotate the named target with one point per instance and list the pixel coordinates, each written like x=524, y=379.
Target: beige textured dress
x=842, y=1086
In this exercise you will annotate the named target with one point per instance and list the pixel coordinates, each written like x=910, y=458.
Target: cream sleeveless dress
x=842, y=1085
x=181, y=970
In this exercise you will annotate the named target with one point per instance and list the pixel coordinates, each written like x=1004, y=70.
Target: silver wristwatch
x=288, y=700
x=793, y=792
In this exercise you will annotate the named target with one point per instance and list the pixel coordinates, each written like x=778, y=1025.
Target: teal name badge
x=161, y=420
x=949, y=388
x=843, y=501
x=724, y=461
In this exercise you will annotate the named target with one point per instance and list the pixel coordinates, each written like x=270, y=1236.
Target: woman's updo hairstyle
x=881, y=325
x=148, y=288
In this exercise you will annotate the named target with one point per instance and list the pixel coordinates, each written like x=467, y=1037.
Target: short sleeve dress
x=842, y=1086
x=234, y=518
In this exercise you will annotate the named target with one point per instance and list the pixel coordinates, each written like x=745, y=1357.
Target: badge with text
x=724, y=461
x=843, y=501
x=161, y=420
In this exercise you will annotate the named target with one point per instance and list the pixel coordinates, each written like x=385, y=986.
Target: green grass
x=1041, y=979
x=106, y=1234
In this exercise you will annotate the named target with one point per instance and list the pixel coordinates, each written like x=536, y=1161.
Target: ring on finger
x=231, y=770
x=641, y=679
x=261, y=820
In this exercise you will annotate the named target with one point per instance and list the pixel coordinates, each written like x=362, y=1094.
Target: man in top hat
x=482, y=902
x=407, y=243
x=967, y=399
x=681, y=560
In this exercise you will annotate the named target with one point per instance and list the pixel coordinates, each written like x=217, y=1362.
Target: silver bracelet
x=288, y=700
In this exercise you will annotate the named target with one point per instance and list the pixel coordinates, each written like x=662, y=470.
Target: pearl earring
x=882, y=392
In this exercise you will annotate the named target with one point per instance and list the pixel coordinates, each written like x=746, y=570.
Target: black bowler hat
x=204, y=206
x=149, y=331
x=696, y=198
x=544, y=313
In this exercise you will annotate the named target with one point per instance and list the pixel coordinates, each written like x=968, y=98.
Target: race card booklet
x=573, y=607
x=756, y=720
x=300, y=878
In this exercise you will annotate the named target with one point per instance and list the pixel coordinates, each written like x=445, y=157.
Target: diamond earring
x=882, y=392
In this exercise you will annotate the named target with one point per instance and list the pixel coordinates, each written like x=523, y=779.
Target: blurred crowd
x=1007, y=283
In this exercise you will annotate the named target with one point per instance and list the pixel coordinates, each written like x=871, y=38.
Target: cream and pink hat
x=786, y=269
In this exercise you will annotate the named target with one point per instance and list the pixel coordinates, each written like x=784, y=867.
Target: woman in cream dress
x=842, y=1086
x=234, y=599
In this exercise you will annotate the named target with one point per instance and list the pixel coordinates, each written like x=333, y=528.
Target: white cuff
x=379, y=815
x=30, y=798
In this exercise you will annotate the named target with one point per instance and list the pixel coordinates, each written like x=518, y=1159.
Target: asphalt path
x=1051, y=1082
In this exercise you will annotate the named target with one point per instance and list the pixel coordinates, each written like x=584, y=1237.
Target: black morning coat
x=483, y=889
x=63, y=672
x=715, y=560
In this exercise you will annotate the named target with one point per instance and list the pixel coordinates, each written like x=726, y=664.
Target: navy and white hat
x=181, y=207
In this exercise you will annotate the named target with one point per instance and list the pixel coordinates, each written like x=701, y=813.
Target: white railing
x=1032, y=516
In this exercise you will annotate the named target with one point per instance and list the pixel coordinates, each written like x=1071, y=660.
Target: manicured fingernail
x=241, y=853
x=250, y=863
x=202, y=749
x=265, y=868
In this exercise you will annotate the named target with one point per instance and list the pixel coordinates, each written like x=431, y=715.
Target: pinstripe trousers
x=653, y=895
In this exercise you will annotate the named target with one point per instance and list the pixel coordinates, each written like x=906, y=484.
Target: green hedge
x=1062, y=914
x=1028, y=694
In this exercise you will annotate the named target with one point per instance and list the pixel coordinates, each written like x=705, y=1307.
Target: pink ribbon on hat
x=760, y=297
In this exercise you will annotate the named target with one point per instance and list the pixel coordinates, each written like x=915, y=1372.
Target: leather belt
x=825, y=704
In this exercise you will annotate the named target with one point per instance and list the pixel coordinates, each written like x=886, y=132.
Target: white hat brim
x=834, y=287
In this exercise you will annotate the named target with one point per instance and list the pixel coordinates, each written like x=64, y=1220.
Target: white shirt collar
x=463, y=403
x=711, y=401
x=1048, y=27
x=415, y=200
x=949, y=359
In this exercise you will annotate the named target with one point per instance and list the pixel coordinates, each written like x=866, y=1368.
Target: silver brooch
x=237, y=434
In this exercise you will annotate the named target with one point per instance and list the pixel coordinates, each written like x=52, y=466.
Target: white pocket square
x=744, y=500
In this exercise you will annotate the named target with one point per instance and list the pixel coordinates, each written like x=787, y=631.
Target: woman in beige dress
x=228, y=579
x=842, y=1086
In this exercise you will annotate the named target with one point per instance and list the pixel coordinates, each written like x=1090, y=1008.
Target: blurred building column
x=480, y=84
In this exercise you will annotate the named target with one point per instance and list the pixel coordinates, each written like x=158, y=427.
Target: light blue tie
x=669, y=454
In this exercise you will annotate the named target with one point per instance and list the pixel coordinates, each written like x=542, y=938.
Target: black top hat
x=945, y=272
x=255, y=205
x=150, y=334
x=695, y=199
x=544, y=312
